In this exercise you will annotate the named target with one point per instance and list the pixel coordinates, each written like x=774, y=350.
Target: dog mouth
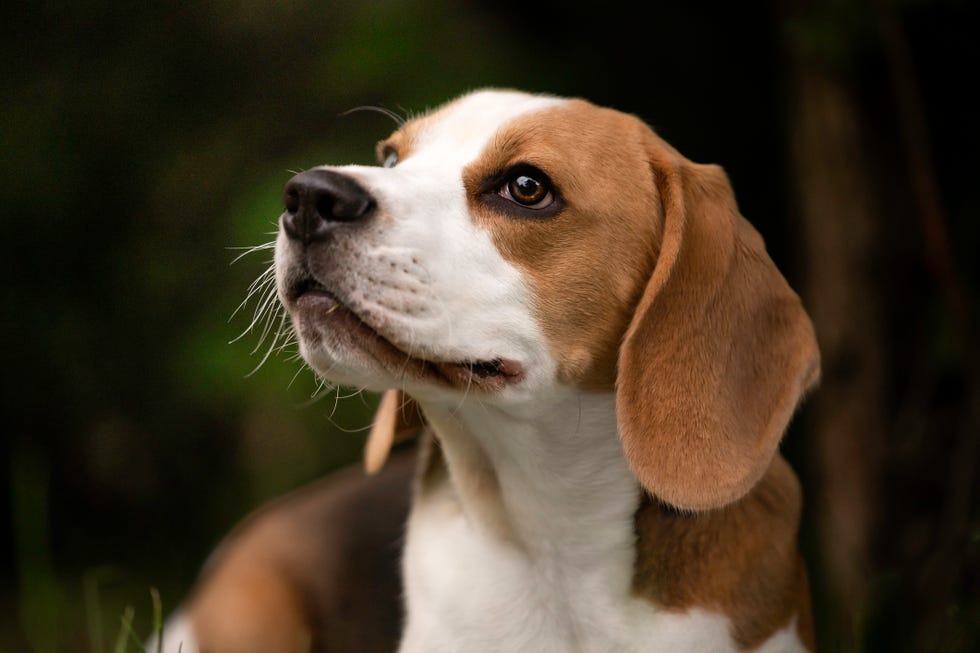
x=314, y=305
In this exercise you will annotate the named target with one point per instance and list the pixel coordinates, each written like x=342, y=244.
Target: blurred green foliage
x=141, y=143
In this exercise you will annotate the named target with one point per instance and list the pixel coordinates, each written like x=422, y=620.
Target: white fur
x=559, y=578
x=178, y=636
x=566, y=584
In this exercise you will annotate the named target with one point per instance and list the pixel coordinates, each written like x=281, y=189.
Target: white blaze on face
x=427, y=277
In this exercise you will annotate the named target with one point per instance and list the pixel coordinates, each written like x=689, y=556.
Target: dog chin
x=344, y=363
x=343, y=349
x=344, y=368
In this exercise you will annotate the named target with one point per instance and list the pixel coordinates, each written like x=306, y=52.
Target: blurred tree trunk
x=841, y=222
x=895, y=568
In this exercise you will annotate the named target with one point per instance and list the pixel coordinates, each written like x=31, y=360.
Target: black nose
x=316, y=200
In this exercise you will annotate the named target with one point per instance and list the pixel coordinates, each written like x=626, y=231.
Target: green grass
x=51, y=611
x=128, y=634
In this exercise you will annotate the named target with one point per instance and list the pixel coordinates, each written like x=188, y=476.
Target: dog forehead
x=460, y=130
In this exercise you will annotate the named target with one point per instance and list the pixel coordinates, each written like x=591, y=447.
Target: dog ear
x=398, y=418
x=718, y=352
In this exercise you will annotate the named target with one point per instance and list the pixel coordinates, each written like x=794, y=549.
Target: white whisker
x=267, y=278
x=282, y=321
x=267, y=310
x=323, y=388
x=353, y=431
x=399, y=120
x=246, y=250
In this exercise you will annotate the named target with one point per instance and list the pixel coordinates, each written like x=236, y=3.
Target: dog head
x=514, y=245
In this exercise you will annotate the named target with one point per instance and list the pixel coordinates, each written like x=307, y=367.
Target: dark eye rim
x=489, y=191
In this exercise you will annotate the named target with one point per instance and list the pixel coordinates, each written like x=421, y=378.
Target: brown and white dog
x=603, y=359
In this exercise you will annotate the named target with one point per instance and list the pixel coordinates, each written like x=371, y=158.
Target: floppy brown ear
x=398, y=418
x=719, y=350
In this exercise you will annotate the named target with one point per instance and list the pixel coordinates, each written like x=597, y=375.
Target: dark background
x=140, y=142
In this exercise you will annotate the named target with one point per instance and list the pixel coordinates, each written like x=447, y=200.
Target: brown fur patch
x=719, y=352
x=315, y=570
x=251, y=607
x=741, y=560
x=587, y=265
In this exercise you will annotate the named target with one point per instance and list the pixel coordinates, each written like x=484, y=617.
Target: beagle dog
x=600, y=360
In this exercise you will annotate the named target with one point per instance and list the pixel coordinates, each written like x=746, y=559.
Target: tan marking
x=719, y=352
x=400, y=142
x=397, y=419
x=403, y=140
x=316, y=569
x=741, y=560
x=586, y=266
x=249, y=605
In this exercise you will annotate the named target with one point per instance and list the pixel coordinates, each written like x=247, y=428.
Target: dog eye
x=529, y=188
x=390, y=158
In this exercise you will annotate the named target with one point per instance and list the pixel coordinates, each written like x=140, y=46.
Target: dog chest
x=466, y=591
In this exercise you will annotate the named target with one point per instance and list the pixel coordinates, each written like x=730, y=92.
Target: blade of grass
x=128, y=630
x=124, y=630
x=157, y=617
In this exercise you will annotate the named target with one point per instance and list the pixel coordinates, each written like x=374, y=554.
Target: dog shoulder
x=741, y=560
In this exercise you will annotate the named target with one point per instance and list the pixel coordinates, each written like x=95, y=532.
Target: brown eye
x=528, y=190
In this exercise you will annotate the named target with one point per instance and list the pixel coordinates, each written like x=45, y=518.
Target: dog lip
x=493, y=374
x=308, y=285
x=497, y=367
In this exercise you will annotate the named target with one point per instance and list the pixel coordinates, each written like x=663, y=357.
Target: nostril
x=324, y=204
x=345, y=208
x=290, y=200
x=316, y=201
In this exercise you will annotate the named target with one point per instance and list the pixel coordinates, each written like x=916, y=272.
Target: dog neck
x=542, y=477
